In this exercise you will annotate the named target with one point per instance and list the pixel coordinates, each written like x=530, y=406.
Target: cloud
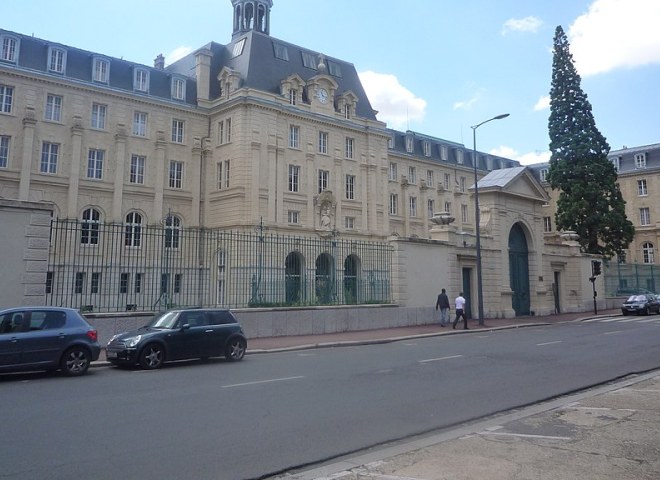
x=467, y=104
x=543, y=103
x=177, y=54
x=615, y=34
x=396, y=105
x=527, y=24
x=525, y=158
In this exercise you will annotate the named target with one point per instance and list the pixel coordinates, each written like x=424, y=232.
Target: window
x=238, y=48
x=293, y=96
x=444, y=152
x=56, y=60
x=6, y=98
x=413, y=206
x=176, y=174
x=547, y=224
x=177, y=283
x=49, y=154
x=616, y=161
x=349, y=147
x=410, y=147
x=172, y=231
x=178, y=89
x=462, y=185
x=430, y=207
x=447, y=181
x=394, y=204
x=228, y=132
x=544, y=174
x=141, y=80
x=49, y=282
x=223, y=174
x=140, y=124
x=177, y=131
x=293, y=216
x=448, y=207
x=98, y=115
x=641, y=188
x=4, y=151
x=393, y=174
x=95, y=163
x=101, y=70
x=427, y=148
x=412, y=175
x=390, y=142
x=137, y=169
x=53, y=108
x=281, y=51
x=644, y=216
x=133, y=231
x=333, y=69
x=89, y=227
x=459, y=156
x=648, y=252
x=124, y=280
x=347, y=112
x=309, y=60
x=95, y=285
x=79, y=282
x=429, y=178
x=324, y=179
x=323, y=142
x=350, y=187
x=349, y=223
x=137, y=286
x=294, y=136
x=294, y=178
x=224, y=131
x=10, y=49
x=640, y=160
x=465, y=217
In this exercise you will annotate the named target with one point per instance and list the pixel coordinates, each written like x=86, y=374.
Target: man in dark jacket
x=443, y=304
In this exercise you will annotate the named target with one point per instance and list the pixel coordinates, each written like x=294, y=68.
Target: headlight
x=130, y=342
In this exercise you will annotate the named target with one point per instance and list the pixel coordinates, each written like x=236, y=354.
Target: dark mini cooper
x=180, y=334
x=642, y=304
x=46, y=338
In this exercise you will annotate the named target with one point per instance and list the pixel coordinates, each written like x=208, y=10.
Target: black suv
x=179, y=335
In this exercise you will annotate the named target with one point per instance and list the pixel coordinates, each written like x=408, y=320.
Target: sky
x=435, y=67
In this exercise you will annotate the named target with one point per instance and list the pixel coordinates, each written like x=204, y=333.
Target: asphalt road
x=272, y=412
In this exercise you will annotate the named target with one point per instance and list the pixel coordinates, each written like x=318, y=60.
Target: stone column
x=159, y=185
x=195, y=182
x=120, y=163
x=74, y=176
x=29, y=123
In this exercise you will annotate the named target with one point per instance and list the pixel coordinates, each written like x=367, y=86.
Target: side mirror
x=185, y=326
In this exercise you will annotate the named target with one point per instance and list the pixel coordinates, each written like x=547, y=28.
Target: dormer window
x=309, y=60
x=334, y=69
x=544, y=174
x=281, y=51
x=347, y=111
x=238, y=48
x=459, y=157
x=616, y=161
x=444, y=153
x=178, y=88
x=410, y=147
x=100, y=70
x=390, y=142
x=141, y=80
x=10, y=48
x=56, y=60
x=640, y=160
x=427, y=148
x=293, y=96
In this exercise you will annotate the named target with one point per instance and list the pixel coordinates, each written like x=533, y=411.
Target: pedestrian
x=460, y=306
x=443, y=304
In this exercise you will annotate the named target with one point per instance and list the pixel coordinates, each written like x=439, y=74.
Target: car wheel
x=75, y=361
x=235, y=349
x=625, y=312
x=646, y=311
x=152, y=356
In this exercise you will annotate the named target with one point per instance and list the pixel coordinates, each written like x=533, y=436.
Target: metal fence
x=628, y=278
x=124, y=267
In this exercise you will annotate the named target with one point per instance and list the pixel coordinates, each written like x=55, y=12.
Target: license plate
x=110, y=354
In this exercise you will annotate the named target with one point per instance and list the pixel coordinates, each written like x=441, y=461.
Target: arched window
x=133, y=232
x=648, y=252
x=351, y=277
x=89, y=227
x=293, y=268
x=324, y=278
x=172, y=231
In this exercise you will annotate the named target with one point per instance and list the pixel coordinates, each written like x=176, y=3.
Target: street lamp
x=480, y=297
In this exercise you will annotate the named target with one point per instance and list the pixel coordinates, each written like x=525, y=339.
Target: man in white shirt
x=460, y=306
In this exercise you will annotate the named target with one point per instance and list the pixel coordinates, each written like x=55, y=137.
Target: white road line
x=548, y=343
x=262, y=381
x=648, y=320
x=629, y=320
x=438, y=359
x=523, y=435
x=613, y=331
x=590, y=320
x=607, y=320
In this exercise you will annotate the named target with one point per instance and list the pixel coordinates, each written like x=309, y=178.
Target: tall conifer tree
x=590, y=201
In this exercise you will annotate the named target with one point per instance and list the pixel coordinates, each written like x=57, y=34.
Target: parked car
x=641, y=304
x=180, y=335
x=46, y=338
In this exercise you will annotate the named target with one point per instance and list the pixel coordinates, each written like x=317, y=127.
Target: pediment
x=517, y=181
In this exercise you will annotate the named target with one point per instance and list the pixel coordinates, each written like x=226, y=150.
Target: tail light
x=93, y=335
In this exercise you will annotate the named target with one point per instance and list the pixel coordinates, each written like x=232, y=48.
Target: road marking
x=571, y=407
x=548, y=343
x=626, y=389
x=607, y=320
x=524, y=435
x=648, y=320
x=629, y=320
x=262, y=381
x=613, y=331
x=438, y=359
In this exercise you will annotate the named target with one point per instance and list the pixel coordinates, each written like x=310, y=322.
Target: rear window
x=46, y=320
x=221, y=317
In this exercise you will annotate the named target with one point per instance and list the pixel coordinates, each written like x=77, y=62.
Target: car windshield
x=637, y=298
x=164, y=320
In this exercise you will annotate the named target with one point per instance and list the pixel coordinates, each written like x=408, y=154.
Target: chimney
x=159, y=62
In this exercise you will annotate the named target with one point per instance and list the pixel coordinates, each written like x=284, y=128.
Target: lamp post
x=480, y=297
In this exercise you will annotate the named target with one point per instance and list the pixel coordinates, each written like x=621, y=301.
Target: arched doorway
x=519, y=270
x=324, y=278
x=293, y=268
x=351, y=275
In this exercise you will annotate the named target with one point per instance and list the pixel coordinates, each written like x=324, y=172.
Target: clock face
x=322, y=95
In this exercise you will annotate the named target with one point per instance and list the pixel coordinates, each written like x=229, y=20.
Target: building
x=254, y=135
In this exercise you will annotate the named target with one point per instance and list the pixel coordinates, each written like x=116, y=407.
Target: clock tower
x=251, y=15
